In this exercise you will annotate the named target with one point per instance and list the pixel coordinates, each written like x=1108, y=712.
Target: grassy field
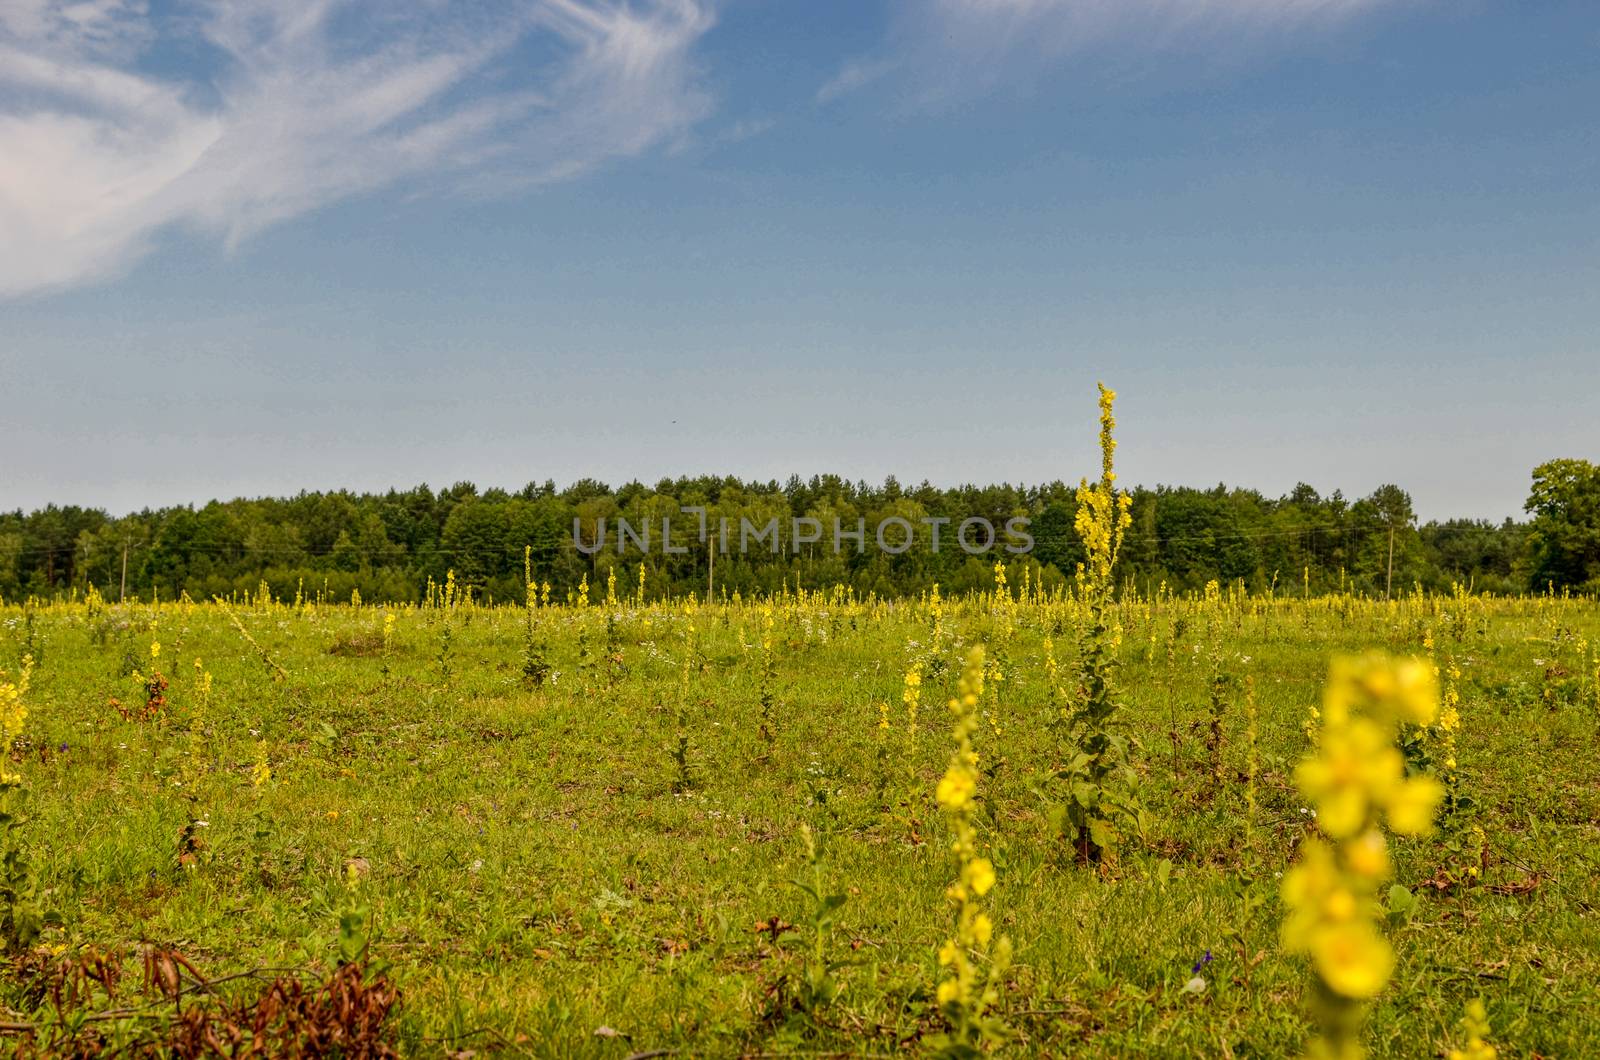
x=601, y=863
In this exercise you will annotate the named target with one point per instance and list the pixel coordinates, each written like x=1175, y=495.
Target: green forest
x=387, y=546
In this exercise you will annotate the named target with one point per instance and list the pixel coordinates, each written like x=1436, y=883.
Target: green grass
x=534, y=875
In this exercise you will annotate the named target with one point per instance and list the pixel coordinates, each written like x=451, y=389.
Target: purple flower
x=63, y=747
x=1201, y=963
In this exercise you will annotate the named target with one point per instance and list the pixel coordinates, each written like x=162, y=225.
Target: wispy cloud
x=283, y=107
x=746, y=129
x=1066, y=24
x=853, y=75
x=948, y=47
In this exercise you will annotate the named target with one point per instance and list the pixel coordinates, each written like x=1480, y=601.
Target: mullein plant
x=821, y=984
x=1444, y=735
x=1432, y=748
x=195, y=770
x=881, y=763
x=1005, y=614
x=21, y=919
x=683, y=777
x=936, y=633
x=535, y=667
x=973, y=963
x=1252, y=762
x=1475, y=1028
x=155, y=687
x=911, y=704
x=1175, y=634
x=585, y=654
x=447, y=604
x=1356, y=781
x=272, y=665
x=616, y=667
x=1061, y=717
x=1248, y=891
x=1101, y=801
x=997, y=663
x=1219, y=682
x=388, y=642
x=769, y=674
x=1592, y=670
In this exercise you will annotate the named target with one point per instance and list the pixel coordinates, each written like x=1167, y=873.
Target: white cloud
x=746, y=129
x=855, y=74
x=948, y=47
x=1059, y=24
x=284, y=107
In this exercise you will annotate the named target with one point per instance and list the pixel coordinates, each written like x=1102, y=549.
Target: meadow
x=618, y=827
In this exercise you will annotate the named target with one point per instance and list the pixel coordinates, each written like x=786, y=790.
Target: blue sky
x=252, y=247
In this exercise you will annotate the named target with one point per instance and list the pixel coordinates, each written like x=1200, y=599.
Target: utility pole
x=123, y=596
x=711, y=565
x=1388, y=581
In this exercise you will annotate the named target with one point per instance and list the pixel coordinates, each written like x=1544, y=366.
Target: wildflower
x=1368, y=855
x=964, y=992
x=1407, y=690
x=1475, y=1022
x=1353, y=959
x=1412, y=805
x=1359, y=770
x=1355, y=780
x=955, y=788
x=262, y=771
x=978, y=875
x=13, y=712
x=1103, y=513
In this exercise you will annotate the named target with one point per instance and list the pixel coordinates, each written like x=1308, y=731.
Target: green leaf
x=1402, y=904
x=1102, y=834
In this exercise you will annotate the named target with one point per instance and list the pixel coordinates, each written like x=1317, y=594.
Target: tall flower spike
x=13, y=712
x=1356, y=779
x=966, y=991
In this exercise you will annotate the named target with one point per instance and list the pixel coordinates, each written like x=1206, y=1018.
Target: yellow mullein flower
x=1412, y=805
x=1353, y=959
x=979, y=875
x=1356, y=779
x=955, y=788
x=911, y=698
x=1368, y=855
x=965, y=992
x=1475, y=1022
x=1356, y=761
x=13, y=712
x=262, y=771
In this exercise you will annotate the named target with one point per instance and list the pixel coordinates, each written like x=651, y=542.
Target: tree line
x=387, y=546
